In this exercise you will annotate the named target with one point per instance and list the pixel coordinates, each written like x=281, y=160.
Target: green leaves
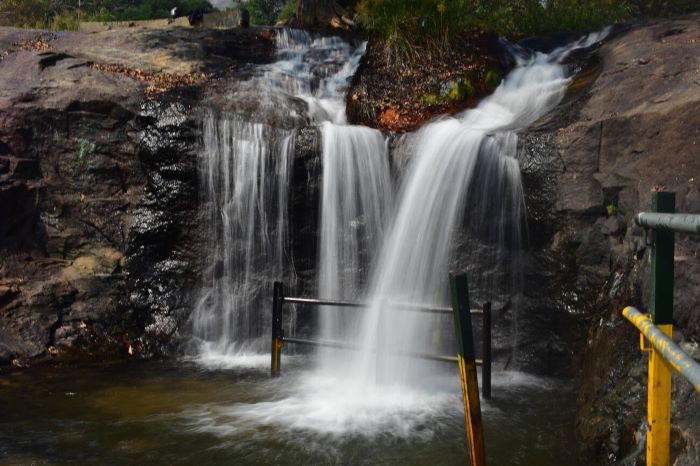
x=417, y=22
x=63, y=14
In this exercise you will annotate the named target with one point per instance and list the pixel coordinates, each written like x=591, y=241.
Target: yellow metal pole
x=659, y=406
x=472, y=411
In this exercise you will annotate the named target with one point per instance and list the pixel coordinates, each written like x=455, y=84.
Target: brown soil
x=393, y=91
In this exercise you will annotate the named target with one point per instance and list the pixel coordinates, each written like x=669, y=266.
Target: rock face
x=629, y=125
x=99, y=226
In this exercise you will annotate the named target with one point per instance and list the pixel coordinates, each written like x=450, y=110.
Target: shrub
x=415, y=22
x=493, y=79
x=65, y=21
x=263, y=11
x=288, y=11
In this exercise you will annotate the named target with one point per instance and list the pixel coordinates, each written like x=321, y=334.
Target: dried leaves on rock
x=160, y=82
x=40, y=43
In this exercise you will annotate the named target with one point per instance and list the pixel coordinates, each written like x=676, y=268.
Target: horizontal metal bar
x=354, y=304
x=680, y=223
x=323, y=302
x=671, y=352
x=353, y=347
x=329, y=344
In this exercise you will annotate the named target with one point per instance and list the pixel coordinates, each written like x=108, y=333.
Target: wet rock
x=99, y=226
x=162, y=259
x=617, y=136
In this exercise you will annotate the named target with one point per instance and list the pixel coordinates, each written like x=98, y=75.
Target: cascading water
x=245, y=171
x=460, y=179
x=457, y=162
x=244, y=177
x=355, y=200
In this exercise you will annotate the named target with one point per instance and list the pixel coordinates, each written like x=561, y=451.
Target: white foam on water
x=213, y=358
x=322, y=404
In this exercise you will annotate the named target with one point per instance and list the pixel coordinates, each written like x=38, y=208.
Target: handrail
x=465, y=358
x=681, y=361
x=358, y=304
x=278, y=337
x=664, y=354
x=679, y=223
x=354, y=347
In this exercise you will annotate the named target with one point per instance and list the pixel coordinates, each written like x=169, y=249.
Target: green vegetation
x=424, y=21
x=288, y=10
x=454, y=91
x=263, y=11
x=493, y=78
x=63, y=14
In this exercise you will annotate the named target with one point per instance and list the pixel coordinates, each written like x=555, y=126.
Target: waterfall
x=245, y=176
x=457, y=163
x=459, y=187
x=355, y=200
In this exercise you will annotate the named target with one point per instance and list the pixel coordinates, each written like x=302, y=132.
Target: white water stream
x=245, y=176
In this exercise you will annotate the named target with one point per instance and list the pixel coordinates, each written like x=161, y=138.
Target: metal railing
x=465, y=358
x=669, y=350
x=278, y=337
x=661, y=225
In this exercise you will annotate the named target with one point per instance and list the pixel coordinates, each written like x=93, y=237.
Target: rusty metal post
x=276, y=345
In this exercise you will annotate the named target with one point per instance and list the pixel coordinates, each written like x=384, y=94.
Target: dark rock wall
x=628, y=126
x=107, y=208
x=99, y=229
x=164, y=246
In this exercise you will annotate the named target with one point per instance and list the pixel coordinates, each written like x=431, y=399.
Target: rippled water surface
x=165, y=413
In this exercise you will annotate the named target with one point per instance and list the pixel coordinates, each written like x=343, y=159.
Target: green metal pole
x=661, y=303
x=467, y=369
x=659, y=379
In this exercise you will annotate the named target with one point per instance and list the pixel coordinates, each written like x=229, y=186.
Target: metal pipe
x=676, y=357
x=353, y=347
x=323, y=302
x=355, y=304
x=680, y=223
